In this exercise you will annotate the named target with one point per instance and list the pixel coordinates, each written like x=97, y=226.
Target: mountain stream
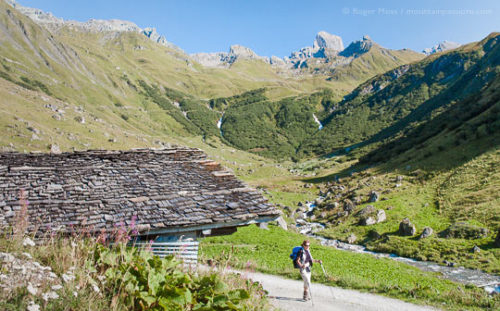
x=490, y=282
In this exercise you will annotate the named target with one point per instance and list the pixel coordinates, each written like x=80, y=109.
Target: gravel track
x=286, y=295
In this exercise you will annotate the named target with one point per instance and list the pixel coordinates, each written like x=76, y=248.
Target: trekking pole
x=326, y=277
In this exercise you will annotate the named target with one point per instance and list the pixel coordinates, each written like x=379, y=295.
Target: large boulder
x=462, y=230
x=406, y=228
x=426, y=233
x=381, y=216
x=368, y=210
x=374, y=196
x=367, y=221
x=352, y=238
x=282, y=223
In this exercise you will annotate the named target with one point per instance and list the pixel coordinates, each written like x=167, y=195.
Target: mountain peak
x=223, y=59
x=325, y=40
x=440, y=47
x=358, y=47
x=241, y=51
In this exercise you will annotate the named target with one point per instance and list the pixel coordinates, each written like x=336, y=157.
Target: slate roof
x=98, y=190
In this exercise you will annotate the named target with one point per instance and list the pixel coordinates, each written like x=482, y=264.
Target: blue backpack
x=294, y=254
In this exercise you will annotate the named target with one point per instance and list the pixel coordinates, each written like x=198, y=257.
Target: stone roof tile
x=99, y=189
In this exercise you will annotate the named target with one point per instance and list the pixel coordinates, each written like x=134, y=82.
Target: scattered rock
x=34, y=130
x=263, y=225
x=342, y=214
x=374, y=196
x=462, y=230
x=349, y=205
x=55, y=149
x=369, y=209
x=381, y=216
x=406, y=228
x=357, y=200
x=80, y=119
x=352, y=238
x=374, y=235
x=282, y=223
x=475, y=249
x=319, y=200
x=426, y=233
x=449, y=263
x=367, y=221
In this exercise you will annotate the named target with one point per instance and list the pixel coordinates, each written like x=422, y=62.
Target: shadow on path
x=286, y=298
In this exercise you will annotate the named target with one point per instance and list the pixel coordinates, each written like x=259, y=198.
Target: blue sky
x=280, y=27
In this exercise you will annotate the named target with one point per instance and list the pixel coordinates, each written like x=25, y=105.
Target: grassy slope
x=267, y=251
x=394, y=102
x=100, y=72
x=429, y=200
x=377, y=60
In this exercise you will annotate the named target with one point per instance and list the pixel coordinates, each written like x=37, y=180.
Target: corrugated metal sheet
x=185, y=251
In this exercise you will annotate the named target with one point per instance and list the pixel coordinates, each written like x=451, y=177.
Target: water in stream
x=490, y=282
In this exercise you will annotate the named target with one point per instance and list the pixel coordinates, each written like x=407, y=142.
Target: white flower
x=73, y=244
x=75, y=294
x=33, y=306
x=49, y=295
x=28, y=242
x=95, y=288
x=68, y=277
x=32, y=289
x=56, y=287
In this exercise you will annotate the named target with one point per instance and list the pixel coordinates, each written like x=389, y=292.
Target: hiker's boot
x=306, y=295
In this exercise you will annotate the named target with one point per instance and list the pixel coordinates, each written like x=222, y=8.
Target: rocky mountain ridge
x=325, y=55
x=327, y=51
x=54, y=23
x=441, y=47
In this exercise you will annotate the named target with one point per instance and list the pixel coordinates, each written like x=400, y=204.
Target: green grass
x=267, y=251
x=425, y=200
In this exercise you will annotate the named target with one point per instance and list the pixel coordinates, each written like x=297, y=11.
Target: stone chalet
x=168, y=193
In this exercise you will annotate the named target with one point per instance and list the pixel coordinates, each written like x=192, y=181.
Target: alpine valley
x=398, y=150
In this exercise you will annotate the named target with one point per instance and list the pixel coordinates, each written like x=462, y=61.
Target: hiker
x=305, y=261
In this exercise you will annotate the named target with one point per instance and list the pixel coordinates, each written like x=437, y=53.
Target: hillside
x=399, y=99
x=120, y=84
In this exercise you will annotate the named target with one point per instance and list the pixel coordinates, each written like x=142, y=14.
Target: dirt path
x=286, y=295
